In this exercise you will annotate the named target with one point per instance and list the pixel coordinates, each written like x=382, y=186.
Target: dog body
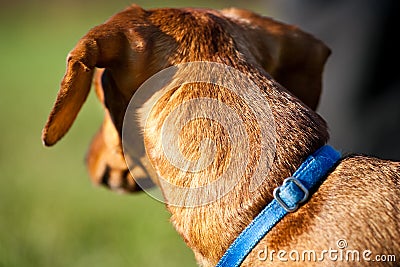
x=358, y=202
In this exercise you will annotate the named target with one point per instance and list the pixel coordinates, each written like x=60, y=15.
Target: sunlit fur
x=359, y=201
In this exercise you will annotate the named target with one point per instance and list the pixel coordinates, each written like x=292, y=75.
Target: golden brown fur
x=358, y=202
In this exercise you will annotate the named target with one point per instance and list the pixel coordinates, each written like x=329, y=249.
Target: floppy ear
x=74, y=90
x=102, y=46
x=292, y=57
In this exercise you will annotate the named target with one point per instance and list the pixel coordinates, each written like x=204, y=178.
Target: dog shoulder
x=369, y=169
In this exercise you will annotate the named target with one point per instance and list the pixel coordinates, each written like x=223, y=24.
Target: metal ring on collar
x=299, y=185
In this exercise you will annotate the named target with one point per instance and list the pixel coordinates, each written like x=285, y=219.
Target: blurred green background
x=50, y=214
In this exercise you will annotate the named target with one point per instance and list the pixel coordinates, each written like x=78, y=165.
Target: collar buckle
x=295, y=206
x=287, y=198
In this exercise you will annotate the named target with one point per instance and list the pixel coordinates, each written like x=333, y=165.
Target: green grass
x=50, y=214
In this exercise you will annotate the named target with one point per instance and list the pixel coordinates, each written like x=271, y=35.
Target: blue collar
x=287, y=198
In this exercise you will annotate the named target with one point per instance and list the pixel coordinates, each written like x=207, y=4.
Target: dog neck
x=299, y=132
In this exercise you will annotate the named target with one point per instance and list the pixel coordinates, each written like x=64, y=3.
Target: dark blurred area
x=361, y=92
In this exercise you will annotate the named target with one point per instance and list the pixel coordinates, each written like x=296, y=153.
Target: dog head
x=135, y=44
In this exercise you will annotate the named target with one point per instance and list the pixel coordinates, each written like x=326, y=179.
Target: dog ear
x=292, y=57
x=74, y=90
x=103, y=46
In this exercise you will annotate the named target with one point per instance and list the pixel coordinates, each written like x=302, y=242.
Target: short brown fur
x=359, y=201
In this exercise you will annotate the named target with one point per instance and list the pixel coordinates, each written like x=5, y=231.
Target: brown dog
x=358, y=202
